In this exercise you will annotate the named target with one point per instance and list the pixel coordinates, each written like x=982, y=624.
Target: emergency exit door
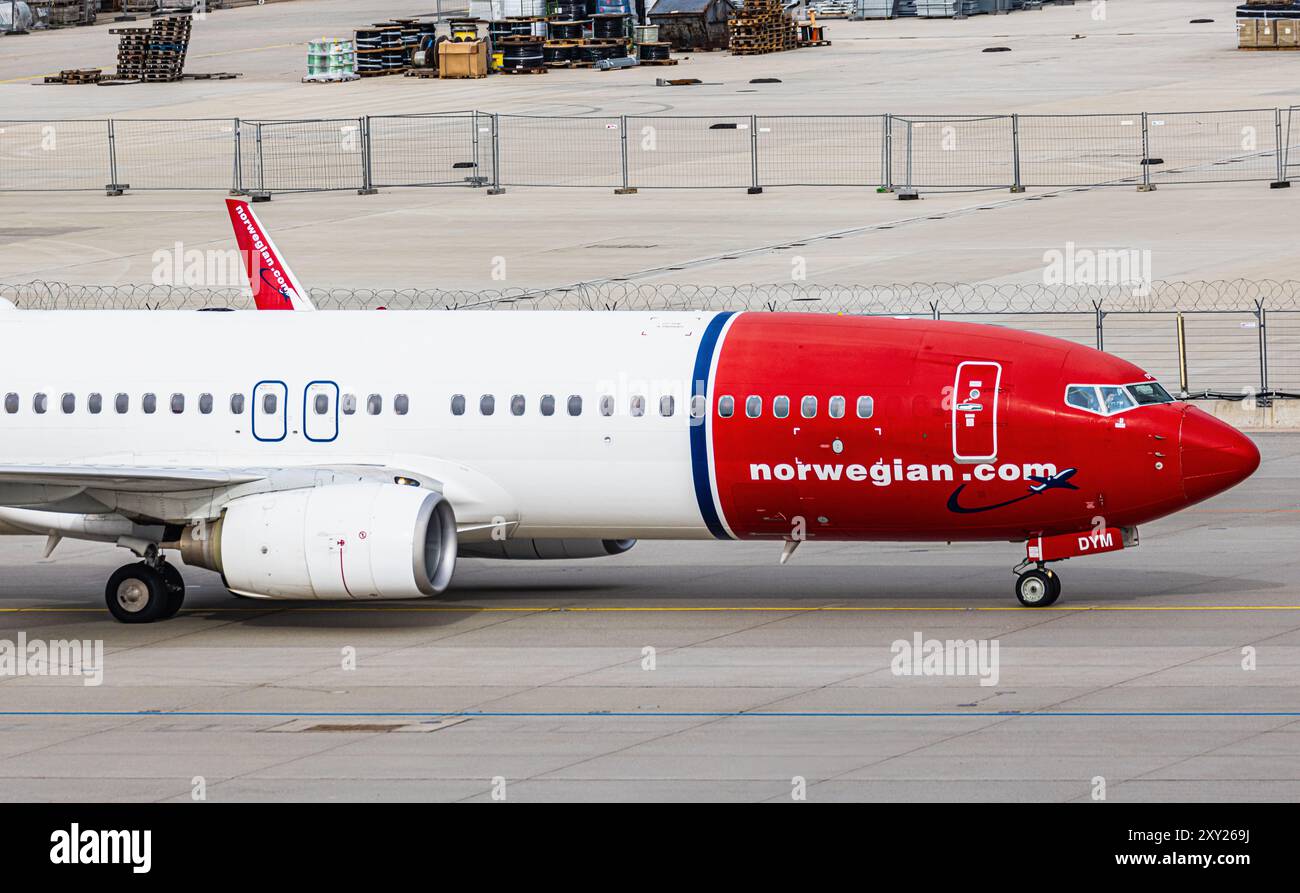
x=975, y=412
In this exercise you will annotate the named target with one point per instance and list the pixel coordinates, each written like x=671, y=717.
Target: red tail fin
x=273, y=283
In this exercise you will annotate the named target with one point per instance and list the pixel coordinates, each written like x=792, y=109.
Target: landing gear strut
x=146, y=591
x=1038, y=588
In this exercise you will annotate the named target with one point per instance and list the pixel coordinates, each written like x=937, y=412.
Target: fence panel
x=308, y=156
x=560, y=151
x=1080, y=150
x=1284, y=351
x=189, y=154
x=820, y=150
x=54, y=155
x=1148, y=340
x=430, y=150
x=952, y=152
x=1212, y=147
x=692, y=153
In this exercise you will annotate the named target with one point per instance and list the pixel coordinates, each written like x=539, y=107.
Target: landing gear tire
x=175, y=590
x=136, y=593
x=1038, y=588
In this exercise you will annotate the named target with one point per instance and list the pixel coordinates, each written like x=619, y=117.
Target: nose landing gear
x=146, y=591
x=1038, y=588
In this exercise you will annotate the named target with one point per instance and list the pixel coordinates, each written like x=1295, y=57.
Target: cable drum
x=559, y=53
x=521, y=52
x=568, y=10
x=607, y=26
x=596, y=50
x=567, y=30
x=653, y=52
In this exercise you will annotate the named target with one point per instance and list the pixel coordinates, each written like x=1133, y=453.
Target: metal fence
x=888, y=152
x=1233, y=339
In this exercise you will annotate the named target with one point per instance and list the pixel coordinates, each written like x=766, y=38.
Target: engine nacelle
x=341, y=541
x=545, y=549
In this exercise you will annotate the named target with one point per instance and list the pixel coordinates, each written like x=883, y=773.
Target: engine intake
x=342, y=541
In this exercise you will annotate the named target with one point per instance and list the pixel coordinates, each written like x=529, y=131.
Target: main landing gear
x=1038, y=588
x=146, y=591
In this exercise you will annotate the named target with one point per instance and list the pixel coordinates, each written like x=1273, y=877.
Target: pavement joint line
x=671, y=714
x=677, y=609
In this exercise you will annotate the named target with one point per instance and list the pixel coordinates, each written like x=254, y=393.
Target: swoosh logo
x=1059, y=481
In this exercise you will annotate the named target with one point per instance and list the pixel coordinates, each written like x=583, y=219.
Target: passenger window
x=205, y=404
x=753, y=407
x=457, y=404
x=607, y=405
x=808, y=407
x=781, y=407
x=69, y=403
x=270, y=403
x=518, y=404
x=667, y=405
x=699, y=406
x=348, y=404
x=401, y=404
x=638, y=407
x=236, y=404
x=866, y=407
x=178, y=404
x=374, y=404
x=149, y=402
x=726, y=407
x=11, y=403
x=487, y=404
x=836, y=407
x=40, y=403
x=1116, y=399
x=121, y=403
x=95, y=403
x=575, y=405
x=1083, y=397
x=321, y=404
x=548, y=404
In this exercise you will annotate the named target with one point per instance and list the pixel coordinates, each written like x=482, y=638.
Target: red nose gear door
x=975, y=411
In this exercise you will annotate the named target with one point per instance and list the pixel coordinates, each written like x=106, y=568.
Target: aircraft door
x=975, y=398
x=320, y=411
x=270, y=411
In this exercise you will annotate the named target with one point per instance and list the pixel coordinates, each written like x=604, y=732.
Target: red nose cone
x=1216, y=455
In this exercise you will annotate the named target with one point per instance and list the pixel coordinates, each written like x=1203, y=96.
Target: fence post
x=1181, y=328
x=1101, y=316
x=496, y=189
x=367, y=178
x=113, y=187
x=1146, y=185
x=754, y=188
x=237, y=176
x=1263, y=398
x=626, y=188
x=1279, y=146
x=1016, y=185
x=887, y=151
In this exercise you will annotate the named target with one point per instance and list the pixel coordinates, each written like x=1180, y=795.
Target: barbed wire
x=927, y=298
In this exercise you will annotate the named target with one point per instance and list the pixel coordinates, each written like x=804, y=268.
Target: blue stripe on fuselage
x=699, y=427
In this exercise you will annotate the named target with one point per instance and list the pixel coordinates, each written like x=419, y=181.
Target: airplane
x=355, y=455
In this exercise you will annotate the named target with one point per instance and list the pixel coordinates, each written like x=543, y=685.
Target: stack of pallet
x=72, y=12
x=762, y=26
x=156, y=53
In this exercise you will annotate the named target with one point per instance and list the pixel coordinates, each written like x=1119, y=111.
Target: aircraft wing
x=128, y=478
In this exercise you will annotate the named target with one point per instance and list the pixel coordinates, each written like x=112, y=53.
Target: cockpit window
x=1110, y=400
x=1115, y=399
x=1149, y=392
x=1083, y=397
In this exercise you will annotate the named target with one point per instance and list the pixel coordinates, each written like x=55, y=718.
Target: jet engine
x=340, y=541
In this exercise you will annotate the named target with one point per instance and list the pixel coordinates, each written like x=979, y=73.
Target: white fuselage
x=562, y=475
